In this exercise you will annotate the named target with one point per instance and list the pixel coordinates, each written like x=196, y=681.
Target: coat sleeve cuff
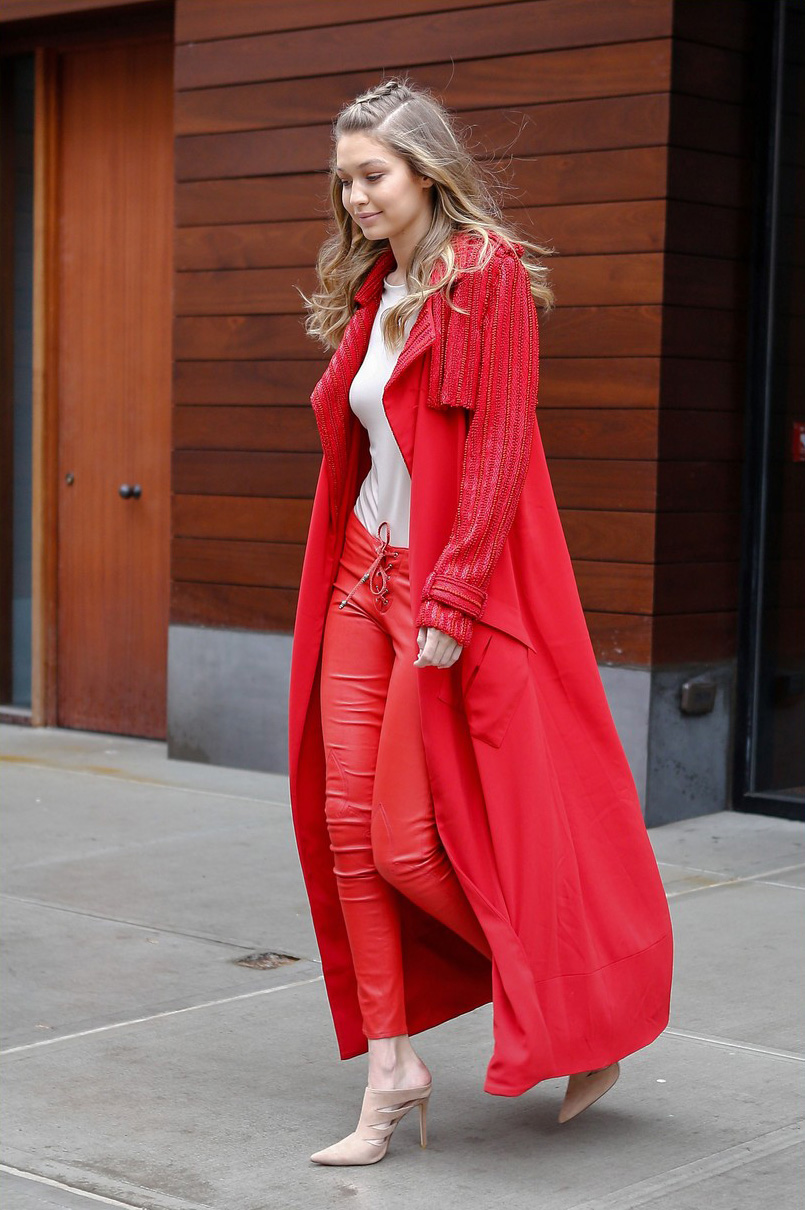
x=455, y=592
x=450, y=621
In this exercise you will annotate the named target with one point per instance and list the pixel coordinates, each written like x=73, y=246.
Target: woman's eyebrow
x=365, y=164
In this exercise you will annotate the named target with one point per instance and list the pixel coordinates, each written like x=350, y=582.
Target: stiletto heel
x=382, y=1109
x=586, y=1087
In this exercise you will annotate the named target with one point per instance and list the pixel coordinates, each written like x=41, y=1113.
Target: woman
x=467, y=823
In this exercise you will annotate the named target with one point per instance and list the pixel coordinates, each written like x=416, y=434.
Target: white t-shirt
x=385, y=493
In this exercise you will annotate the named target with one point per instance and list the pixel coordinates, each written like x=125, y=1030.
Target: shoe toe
x=350, y=1150
x=584, y=1089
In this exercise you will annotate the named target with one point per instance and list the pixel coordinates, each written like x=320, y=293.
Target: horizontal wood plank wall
x=24, y=10
x=704, y=334
x=578, y=92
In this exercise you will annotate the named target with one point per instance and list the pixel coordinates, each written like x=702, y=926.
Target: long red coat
x=533, y=797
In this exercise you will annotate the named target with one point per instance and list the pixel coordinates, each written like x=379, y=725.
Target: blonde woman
x=467, y=823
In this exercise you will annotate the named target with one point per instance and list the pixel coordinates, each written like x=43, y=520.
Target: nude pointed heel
x=381, y=1111
x=586, y=1087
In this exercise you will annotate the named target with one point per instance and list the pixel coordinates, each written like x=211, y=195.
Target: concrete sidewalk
x=143, y=1066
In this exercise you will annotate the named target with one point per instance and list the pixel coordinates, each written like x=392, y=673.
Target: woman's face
x=380, y=192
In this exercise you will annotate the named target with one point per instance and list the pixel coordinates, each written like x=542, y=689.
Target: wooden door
x=115, y=201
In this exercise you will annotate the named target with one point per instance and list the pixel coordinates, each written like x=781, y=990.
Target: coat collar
x=368, y=295
x=330, y=398
x=371, y=288
x=372, y=285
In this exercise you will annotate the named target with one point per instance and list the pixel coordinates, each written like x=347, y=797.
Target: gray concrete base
x=628, y=692
x=689, y=756
x=228, y=705
x=228, y=697
x=680, y=762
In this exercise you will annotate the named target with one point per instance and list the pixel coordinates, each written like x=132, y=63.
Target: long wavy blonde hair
x=413, y=125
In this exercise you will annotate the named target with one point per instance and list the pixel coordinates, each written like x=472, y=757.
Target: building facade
x=164, y=191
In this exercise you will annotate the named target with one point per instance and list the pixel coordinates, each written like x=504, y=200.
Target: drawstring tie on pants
x=376, y=574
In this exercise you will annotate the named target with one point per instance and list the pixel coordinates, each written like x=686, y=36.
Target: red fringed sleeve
x=496, y=453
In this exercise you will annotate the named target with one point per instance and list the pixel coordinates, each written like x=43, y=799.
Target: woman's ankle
x=393, y=1063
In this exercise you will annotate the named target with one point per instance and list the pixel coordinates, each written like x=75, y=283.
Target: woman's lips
x=364, y=218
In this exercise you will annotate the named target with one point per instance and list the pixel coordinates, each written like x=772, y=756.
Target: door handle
x=129, y=493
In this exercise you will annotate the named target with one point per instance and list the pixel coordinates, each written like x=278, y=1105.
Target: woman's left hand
x=436, y=649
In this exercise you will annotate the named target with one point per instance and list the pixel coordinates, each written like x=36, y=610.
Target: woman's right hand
x=436, y=649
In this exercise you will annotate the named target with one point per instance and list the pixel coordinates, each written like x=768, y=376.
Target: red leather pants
x=378, y=802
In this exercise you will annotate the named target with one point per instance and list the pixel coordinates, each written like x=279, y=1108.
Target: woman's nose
x=357, y=195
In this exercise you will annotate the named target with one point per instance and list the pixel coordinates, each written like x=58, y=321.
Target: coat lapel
x=400, y=406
